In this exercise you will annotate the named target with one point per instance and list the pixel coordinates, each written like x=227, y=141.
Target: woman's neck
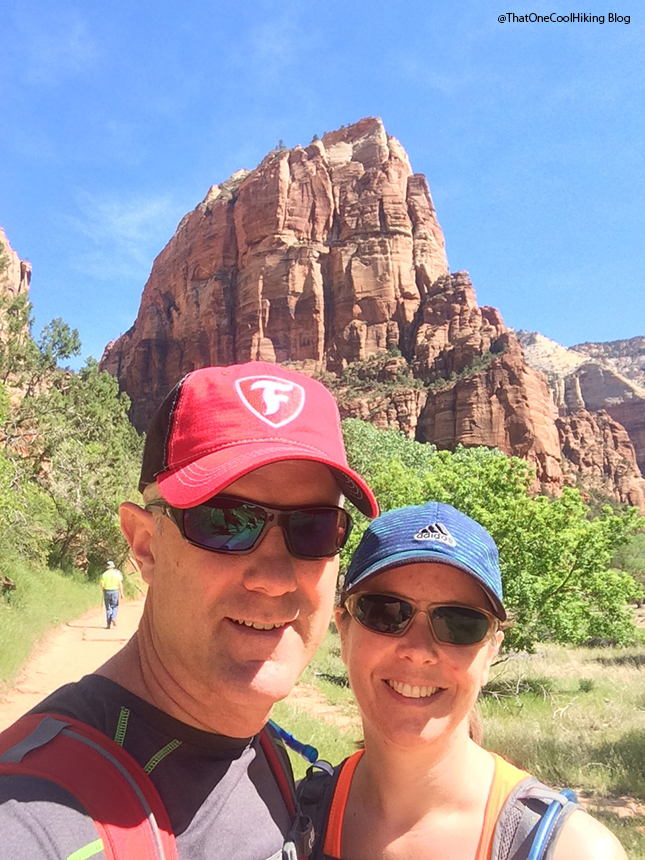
x=405, y=785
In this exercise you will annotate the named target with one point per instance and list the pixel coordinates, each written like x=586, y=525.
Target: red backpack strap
x=281, y=768
x=112, y=787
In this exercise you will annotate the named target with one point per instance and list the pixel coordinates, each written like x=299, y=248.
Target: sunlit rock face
x=599, y=381
x=328, y=257
x=319, y=255
x=15, y=274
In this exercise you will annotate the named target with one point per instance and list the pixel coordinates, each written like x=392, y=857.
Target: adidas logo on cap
x=436, y=532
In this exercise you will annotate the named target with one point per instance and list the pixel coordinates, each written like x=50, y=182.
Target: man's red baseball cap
x=219, y=423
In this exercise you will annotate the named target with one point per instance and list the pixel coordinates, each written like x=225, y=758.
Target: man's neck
x=137, y=668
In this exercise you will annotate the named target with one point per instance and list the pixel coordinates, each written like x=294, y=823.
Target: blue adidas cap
x=433, y=532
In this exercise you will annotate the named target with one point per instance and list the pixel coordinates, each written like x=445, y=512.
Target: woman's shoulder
x=585, y=838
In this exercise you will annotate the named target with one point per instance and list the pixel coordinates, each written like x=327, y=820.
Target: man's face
x=202, y=604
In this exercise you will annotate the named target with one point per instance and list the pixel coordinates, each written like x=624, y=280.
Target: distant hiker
x=112, y=584
x=419, y=621
x=244, y=474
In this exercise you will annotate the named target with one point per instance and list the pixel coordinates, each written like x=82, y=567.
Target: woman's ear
x=494, y=644
x=138, y=528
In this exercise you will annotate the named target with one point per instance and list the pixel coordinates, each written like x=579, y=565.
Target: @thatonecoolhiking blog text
x=571, y=18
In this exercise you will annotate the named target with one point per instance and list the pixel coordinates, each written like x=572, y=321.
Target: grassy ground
x=43, y=599
x=573, y=717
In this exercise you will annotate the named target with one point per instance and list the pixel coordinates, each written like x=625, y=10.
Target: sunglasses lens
x=383, y=613
x=227, y=527
x=458, y=625
x=318, y=532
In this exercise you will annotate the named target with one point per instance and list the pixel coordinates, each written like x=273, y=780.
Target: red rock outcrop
x=321, y=254
x=594, y=377
x=398, y=410
x=598, y=450
x=329, y=256
x=16, y=277
x=506, y=405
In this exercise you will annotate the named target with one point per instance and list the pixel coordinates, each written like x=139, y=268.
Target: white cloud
x=122, y=235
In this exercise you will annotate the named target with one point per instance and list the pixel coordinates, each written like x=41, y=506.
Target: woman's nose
x=418, y=642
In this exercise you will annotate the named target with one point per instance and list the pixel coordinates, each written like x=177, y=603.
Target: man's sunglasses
x=451, y=624
x=227, y=524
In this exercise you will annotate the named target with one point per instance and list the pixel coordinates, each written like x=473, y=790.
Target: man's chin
x=267, y=684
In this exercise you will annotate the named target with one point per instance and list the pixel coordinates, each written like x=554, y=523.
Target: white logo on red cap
x=274, y=401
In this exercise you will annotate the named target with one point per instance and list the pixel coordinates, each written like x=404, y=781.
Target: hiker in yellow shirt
x=112, y=584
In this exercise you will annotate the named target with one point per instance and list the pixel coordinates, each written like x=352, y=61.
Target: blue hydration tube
x=547, y=824
x=305, y=750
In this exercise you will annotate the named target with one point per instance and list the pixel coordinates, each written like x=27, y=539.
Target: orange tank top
x=505, y=778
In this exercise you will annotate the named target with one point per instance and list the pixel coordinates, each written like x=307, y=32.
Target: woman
x=419, y=622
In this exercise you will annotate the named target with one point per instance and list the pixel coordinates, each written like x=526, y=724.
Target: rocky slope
x=330, y=257
x=626, y=356
x=596, y=378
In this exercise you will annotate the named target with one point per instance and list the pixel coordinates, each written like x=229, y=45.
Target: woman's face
x=411, y=688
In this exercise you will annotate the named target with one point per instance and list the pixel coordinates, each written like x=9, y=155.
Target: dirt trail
x=66, y=654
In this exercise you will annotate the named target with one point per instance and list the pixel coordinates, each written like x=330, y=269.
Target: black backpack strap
x=521, y=816
x=300, y=838
x=314, y=796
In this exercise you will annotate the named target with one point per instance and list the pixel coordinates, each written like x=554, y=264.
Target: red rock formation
x=452, y=330
x=596, y=376
x=598, y=450
x=506, y=405
x=399, y=410
x=321, y=255
x=325, y=256
x=16, y=277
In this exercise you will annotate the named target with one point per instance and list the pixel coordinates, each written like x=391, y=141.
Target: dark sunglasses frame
x=350, y=603
x=273, y=516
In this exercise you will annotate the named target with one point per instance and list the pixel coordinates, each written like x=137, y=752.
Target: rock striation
x=330, y=257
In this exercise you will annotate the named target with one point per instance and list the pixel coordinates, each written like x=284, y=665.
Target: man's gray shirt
x=220, y=793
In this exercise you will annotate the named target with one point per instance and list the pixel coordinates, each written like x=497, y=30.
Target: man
x=243, y=476
x=112, y=584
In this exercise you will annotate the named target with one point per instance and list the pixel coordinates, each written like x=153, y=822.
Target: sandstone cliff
x=626, y=356
x=330, y=257
x=320, y=255
x=15, y=274
x=597, y=378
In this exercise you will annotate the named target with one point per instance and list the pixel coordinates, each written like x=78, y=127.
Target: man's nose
x=270, y=567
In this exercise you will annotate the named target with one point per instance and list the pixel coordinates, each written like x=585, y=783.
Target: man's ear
x=341, y=618
x=138, y=528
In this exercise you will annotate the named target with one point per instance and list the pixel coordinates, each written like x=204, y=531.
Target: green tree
x=555, y=558
x=86, y=456
x=630, y=558
x=69, y=455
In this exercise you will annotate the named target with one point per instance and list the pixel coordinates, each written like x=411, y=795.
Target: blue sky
x=117, y=117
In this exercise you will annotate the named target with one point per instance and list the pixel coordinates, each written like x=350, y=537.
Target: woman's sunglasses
x=451, y=624
x=227, y=524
